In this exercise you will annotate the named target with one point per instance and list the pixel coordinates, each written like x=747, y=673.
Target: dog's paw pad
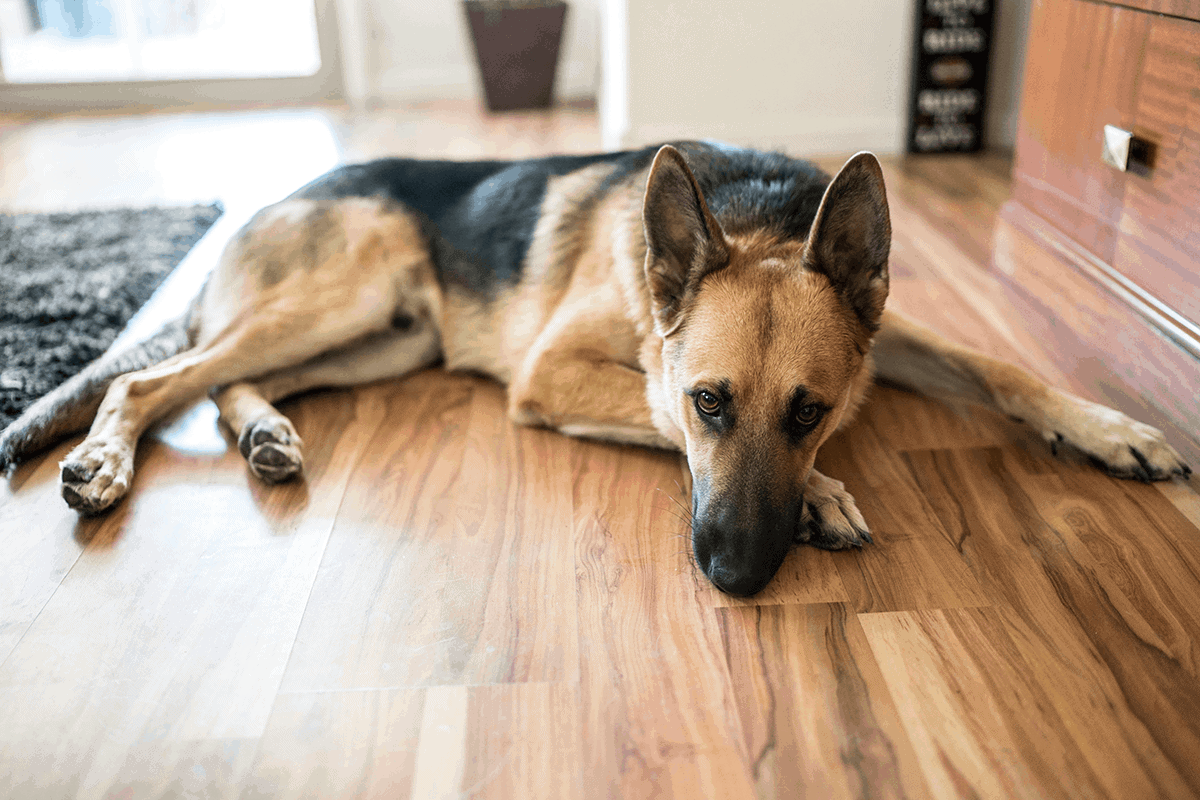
x=77, y=500
x=271, y=447
x=76, y=473
x=95, y=475
x=832, y=521
x=275, y=428
x=274, y=462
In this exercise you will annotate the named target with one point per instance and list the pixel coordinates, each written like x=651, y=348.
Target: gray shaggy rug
x=70, y=282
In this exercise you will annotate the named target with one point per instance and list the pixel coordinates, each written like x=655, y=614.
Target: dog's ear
x=684, y=241
x=852, y=236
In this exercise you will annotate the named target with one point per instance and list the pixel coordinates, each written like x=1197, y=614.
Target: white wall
x=808, y=77
x=420, y=49
x=1007, y=71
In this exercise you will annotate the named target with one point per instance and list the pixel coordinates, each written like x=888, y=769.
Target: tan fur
x=918, y=359
x=373, y=264
x=632, y=308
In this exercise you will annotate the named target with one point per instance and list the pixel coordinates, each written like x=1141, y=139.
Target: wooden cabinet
x=1159, y=233
x=1117, y=254
x=1078, y=78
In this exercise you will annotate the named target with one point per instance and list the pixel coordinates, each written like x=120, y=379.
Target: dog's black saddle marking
x=480, y=216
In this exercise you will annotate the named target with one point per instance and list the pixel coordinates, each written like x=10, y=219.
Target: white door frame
x=327, y=84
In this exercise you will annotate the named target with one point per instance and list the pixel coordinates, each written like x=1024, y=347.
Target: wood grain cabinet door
x=1159, y=233
x=1081, y=74
x=1092, y=64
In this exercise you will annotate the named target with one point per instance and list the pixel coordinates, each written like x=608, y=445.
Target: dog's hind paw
x=1116, y=443
x=831, y=519
x=271, y=448
x=96, y=474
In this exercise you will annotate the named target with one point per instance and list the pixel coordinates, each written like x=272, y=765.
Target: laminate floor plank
x=1149, y=570
x=168, y=638
x=1183, y=497
x=981, y=722
x=39, y=546
x=359, y=744
x=519, y=738
x=916, y=561
x=902, y=420
x=815, y=708
x=659, y=715
x=1074, y=626
x=454, y=538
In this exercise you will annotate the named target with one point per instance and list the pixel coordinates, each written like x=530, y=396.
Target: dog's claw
x=1144, y=471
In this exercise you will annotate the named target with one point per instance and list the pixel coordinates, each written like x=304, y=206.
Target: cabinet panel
x=1159, y=241
x=1083, y=65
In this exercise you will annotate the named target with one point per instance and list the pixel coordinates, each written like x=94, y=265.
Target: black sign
x=950, y=70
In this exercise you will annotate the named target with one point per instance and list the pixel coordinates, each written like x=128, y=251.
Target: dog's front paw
x=96, y=474
x=1120, y=445
x=831, y=519
x=271, y=448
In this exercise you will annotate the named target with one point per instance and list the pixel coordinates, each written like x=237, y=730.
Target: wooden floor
x=449, y=606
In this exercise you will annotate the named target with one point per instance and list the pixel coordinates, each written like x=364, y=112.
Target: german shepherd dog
x=718, y=301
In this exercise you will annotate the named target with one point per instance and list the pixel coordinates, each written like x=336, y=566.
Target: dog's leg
x=915, y=358
x=97, y=473
x=371, y=275
x=266, y=438
x=584, y=394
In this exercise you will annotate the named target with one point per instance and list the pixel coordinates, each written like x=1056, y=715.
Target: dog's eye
x=808, y=415
x=707, y=403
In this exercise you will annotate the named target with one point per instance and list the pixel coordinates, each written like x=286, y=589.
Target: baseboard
x=575, y=79
x=1183, y=331
x=794, y=134
x=135, y=96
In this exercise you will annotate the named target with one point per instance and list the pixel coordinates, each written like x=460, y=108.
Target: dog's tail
x=71, y=407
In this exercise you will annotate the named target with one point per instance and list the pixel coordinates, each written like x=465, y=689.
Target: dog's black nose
x=736, y=582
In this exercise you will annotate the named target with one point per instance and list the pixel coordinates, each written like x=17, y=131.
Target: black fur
x=749, y=190
x=480, y=215
x=852, y=238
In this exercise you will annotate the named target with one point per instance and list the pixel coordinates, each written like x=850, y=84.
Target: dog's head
x=765, y=347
